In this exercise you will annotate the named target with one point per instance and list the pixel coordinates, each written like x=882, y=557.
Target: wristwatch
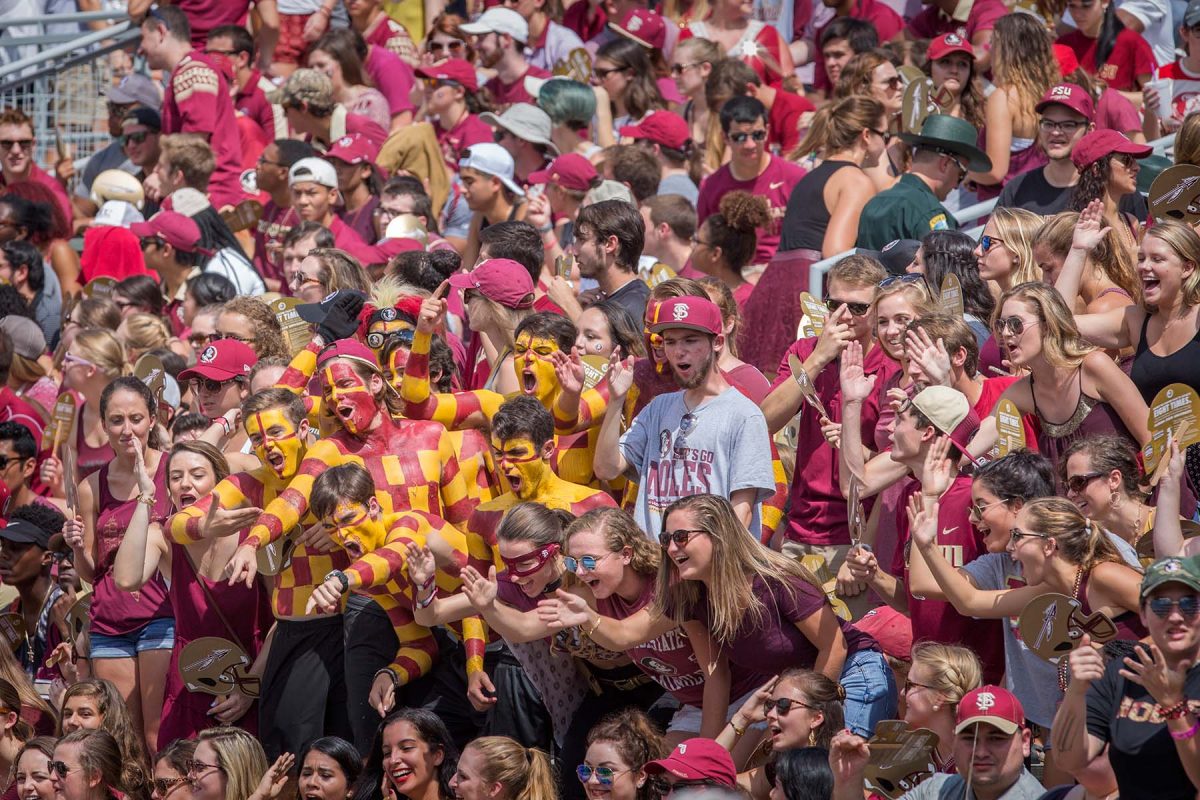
x=340, y=577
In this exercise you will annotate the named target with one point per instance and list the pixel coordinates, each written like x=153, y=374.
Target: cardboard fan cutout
x=594, y=370
x=149, y=370
x=1175, y=194
x=921, y=100
x=243, y=216
x=276, y=555
x=12, y=629
x=1175, y=409
x=806, y=386
x=1010, y=431
x=79, y=615
x=952, y=296
x=295, y=330
x=216, y=666
x=820, y=569
x=100, y=287
x=1053, y=625
x=816, y=312
x=900, y=758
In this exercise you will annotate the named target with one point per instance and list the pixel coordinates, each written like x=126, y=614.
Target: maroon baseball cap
x=1073, y=97
x=1105, y=142
x=693, y=313
x=452, y=69
x=223, y=360
x=697, y=760
x=570, y=171
x=177, y=230
x=949, y=43
x=998, y=707
x=662, y=127
x=353, y=148
x=352, y=349
x=891, y=629
x=644, y=27
x=501, y=280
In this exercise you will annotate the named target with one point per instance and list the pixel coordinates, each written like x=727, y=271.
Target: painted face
x=33, y=776
x=595, y=564
x=277, y=442
x=190, y=476
x=529, y=565
x=521, y=463
x=535, y=373
x=349, y=396
x=381, y=330
x=322, y=778
x=81, y=712
x=791, y=728
x=356, y=528
x=408, y=760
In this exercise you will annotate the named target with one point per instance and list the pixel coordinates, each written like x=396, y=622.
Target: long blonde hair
x=1111, y=258
x=737, y=558
x=240, y=757
x=1023, y=59
x=1017, y=227
x=1185, y=242
x=103, y=349
x=524, y=772
x=1062, y=344
x=1187, y=141
x=1079, y=539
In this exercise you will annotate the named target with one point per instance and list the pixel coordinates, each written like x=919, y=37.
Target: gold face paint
x=351, y=526
x=535, y=371
x=276, y=441
x=521, y=463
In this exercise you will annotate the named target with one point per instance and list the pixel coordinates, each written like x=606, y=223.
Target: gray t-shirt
x=950, y=787
x=726, y=448
x=681, y=185
x=1033, y=680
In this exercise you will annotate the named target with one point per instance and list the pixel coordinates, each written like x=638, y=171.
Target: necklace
x=1062, y=662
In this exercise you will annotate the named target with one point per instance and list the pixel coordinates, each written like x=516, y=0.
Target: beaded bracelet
x=1174, y=712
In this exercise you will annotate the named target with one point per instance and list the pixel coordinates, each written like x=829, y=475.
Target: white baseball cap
x=317, y=170
x=499, y=20
x=491, y=159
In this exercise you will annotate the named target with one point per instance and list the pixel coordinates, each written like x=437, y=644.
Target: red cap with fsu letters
x=223, y=360
x=693, y=313
x=644, y=27
x=998, y=707
x=1073, y=97
x=353, y=148
x=500, y=280
x=949, y=43
x=697, y=760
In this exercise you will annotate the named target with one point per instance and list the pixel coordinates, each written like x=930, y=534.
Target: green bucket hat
x=954, y=135
x=1171, y=570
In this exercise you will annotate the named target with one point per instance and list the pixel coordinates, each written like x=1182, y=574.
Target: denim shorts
x=870, y=689
x=157, y=634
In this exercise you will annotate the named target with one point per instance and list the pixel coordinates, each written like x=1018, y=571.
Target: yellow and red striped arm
x=285, y=511
x=300, y=371
x=452, y=408
x=294, y=584
x=474, y=456
x=236, y=491
x=592, y=405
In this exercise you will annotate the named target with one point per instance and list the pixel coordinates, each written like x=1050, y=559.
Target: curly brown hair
x=733, y=228
x=268, y=340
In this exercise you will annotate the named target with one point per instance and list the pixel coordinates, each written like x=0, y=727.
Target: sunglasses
x=900, y=279
x=604, y=775
x=61, y=769
x=437, y=83
x=1015, y=325
x=20, y=144
x=986, y=242
x=375, y=341
x=604, y=73
x=885, y=135
x=909, y=684
x=1077, y=483
x=586, y=564
x=209, y=385
x=218, y=336
x=680, y=537
x=857, y=309
x=149, y=241
x=195, y=767
x=679, y=69
x=741, y=136
x=199, y=339
x=894, y=82
x=1124, y=159
x=135, y=138
x=163, y=785
x=1017, y=535
x=786, y=704
x=975, y=512
x=1162, y=607
x=6, y=460
x=437, y=47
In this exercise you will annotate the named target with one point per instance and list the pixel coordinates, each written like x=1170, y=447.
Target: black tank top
x=1151, y=372
x=806, y=218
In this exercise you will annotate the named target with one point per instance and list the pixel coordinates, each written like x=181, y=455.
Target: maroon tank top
x=115, y=612
x=1129, y=625
x=248, y=611
x=88, y=458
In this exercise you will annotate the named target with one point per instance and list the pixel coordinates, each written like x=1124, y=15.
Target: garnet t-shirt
x=775, y=644
x=505, y=94
x=198, y=101
x=775, y=184
x=468, y=131
x=1131, y=56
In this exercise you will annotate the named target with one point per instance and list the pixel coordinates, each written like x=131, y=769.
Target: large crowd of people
x=335, y=465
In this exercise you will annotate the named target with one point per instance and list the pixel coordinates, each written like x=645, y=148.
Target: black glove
x=342, y=320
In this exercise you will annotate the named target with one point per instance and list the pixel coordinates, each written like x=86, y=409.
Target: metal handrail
x=81, y=16
x=66, y=49
x=817, y=270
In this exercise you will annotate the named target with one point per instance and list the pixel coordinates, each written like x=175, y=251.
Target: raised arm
x=142, y=547
x=610, y=462
x=785, y=399
x=223, y=512
x=1168, y=533
x=1074, y=746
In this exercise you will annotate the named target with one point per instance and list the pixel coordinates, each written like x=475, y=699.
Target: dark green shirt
x=908, y=210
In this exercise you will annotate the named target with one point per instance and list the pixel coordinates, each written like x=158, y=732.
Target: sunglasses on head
x=901, y=279
x=857, y=309
x=376, y=340
x=1162, y=607
x=680, y=537
x=741, y=136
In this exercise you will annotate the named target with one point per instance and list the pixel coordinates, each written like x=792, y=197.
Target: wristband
x=427, y=601
x=391, y=674
x=341, y=578
x=224, y=423
x=545, y=229
x=1181, y=736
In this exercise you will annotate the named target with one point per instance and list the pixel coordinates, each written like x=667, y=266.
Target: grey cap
x=1191, y=15
x=609, y=190
x=28, y=340
x=136, y=88
x=526, y=122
